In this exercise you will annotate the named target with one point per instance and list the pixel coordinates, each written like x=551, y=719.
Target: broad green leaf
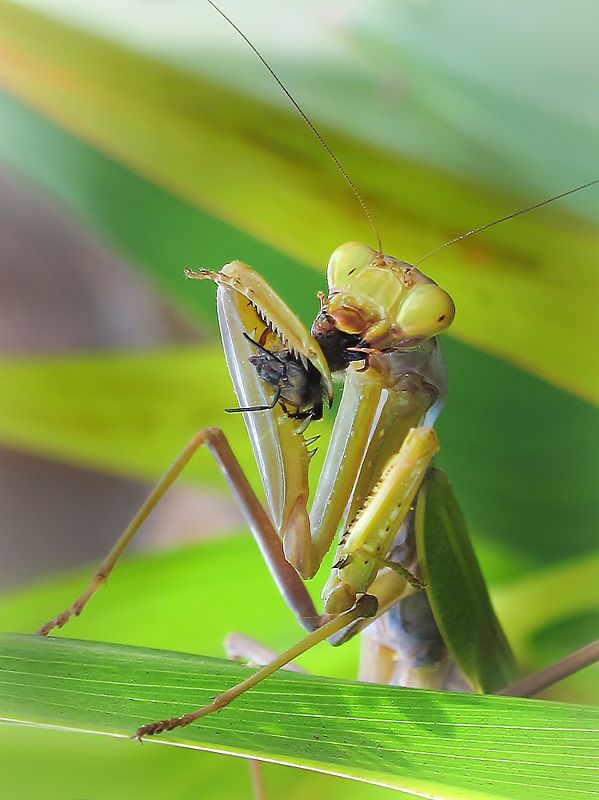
x=519, y=453
x=508, y=285
x=68, y=766
x=521, y=457
x=444, y=745
x=456, y=84
x=457, y=591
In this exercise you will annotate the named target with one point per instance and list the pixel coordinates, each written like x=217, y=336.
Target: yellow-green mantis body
x=377, y=327
x=404, y=571
x=377, y=323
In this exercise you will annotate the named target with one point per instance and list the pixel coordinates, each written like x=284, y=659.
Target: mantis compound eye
x=347, y=259
x=426, y=311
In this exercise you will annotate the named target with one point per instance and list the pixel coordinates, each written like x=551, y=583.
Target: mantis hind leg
x=365, y=606
x=288, y=581
x=366, y=609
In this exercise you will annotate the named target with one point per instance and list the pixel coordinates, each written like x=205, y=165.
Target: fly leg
x=288, y=581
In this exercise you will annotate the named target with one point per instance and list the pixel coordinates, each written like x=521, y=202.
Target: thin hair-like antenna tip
x=504, y=219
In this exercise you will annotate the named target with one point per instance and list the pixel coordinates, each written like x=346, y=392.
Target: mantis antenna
x=504, y=219
x=308, y=122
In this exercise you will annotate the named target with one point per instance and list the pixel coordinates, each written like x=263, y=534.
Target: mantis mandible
x=376, y=330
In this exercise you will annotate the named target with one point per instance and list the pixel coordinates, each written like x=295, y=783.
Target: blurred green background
x=137, y=138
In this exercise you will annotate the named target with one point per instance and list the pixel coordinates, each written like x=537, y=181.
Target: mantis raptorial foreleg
x=288, y=581
x=368, y=537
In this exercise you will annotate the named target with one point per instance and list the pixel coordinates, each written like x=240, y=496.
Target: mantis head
x=384, y=303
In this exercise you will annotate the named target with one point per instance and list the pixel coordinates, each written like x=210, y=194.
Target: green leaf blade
x=422, y=742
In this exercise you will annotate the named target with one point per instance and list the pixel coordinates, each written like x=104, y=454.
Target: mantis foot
x=155, y=728
x=74, y=610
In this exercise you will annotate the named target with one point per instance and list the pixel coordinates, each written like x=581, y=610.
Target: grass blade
x=444, y=745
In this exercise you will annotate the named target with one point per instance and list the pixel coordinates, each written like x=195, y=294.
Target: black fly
x=295, y=384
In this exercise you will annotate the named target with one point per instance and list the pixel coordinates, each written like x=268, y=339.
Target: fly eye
x=426, y=311
x=345, y=261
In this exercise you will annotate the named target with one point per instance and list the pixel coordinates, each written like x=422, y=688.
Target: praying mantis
x=377, y=329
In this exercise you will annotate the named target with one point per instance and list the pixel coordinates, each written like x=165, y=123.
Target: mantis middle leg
x=288, y=581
